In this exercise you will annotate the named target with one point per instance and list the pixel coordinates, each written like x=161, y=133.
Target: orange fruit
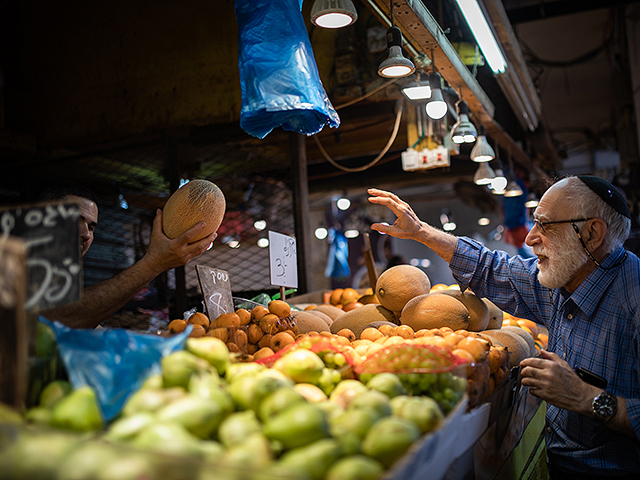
x=177, y=326
x=198, y=331
x=475, y=346
x=349, y=295
x=464, y=354
x=258, y=312
x=199, y=319
x=244, y=315
x=371, y=333
x=347, y=333
x=334, y=299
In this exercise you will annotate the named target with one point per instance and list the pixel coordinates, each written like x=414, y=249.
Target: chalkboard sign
x=51, y=234
x=216, y=290
x=283, y=262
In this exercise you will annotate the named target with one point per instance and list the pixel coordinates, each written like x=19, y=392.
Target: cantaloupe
x=495, y=315
x=515, y=344
x=478, y=310
x=433, y=310
x=525, y=335
x=194, y=202
x=330, y=310
x=357, y=319
x=308, y=322
x=399, y=284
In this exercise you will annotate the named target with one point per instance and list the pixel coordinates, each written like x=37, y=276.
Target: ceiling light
x=263, y=242
x=499, y=183
x=483, y=221
x=260, y=225
x=333, y=13
x=321, y=233
x=512, y=189
x=463, y=131
x=351, y=233
x=482, y=151
x=437, y=107
x=484, y=175
x=343, y=203
x=396, y=65
x=483, y=35
x=417, y=90
x=532, y=201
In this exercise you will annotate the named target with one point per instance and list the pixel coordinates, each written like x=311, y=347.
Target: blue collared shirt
x=597, y=328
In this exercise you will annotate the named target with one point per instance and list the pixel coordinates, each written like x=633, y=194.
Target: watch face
x=605, y=405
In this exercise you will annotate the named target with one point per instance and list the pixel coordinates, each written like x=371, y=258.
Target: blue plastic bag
x=279, y=77
x=114, y=362
x=338, y=261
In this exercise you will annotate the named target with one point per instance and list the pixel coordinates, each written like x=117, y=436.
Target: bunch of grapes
x=334, y=362
x=445, y=388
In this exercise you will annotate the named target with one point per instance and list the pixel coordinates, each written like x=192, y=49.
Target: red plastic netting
x=410, y=358
x=316, y=344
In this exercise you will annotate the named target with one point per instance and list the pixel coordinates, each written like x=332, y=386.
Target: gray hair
x=589, y=204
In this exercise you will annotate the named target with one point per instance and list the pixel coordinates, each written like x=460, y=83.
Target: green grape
x=339, y=359
x=336, y=377
x=329, y=358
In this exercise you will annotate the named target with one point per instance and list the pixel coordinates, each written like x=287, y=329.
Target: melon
x=323, y=316
x=307, y=322
x=330, y=310
x=194, y=202
x=525, y=335
x=359, y=318
x=433, y=310
x=399, y=284
x=516, y=345
x=478, y=310
x=495, y=315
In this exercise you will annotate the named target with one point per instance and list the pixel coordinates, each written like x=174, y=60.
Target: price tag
x=216, y=290
x=51, y=234
x=283, y=260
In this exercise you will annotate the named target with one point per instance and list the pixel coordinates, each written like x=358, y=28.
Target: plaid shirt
x=597, y=328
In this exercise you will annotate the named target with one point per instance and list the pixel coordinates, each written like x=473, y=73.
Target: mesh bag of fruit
x=410, y=358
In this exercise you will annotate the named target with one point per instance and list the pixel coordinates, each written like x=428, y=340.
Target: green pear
x=241, y=391
x=253, y=452
x=238, y=426
x=211, y=450
x=153, y=381
x=168, y=438
x=53, y=392
x=213, y=350
x=314, y=459
x=35, y=456
x=349, y=442
x=301, y=365
x=78, y=411
x=267, y=382
x=210, y=387
x=298, y=425
x=199, y=416
x=387, y=383
x=178, y=367
x=373, y=400
x=398, y=402
x=39, y=415
x=331, y=409
x=9, y=415
x=389, y=438
x=346, y=391
x=237, y=370
x=355, y=467
x=151, y=400
x=424, y=411
x=126, y=428
x=130, y=466
x=86, y=462
x=278, y=400
x=45, y=341
x=358, y=421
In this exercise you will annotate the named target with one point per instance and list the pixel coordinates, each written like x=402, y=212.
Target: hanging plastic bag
x=338, y=262
x=114, y=362
x=279, y=77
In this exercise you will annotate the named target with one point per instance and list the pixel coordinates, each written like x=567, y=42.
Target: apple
x=237, y=427
x=389, y=438
x=213, y=350
x=387, y=383
x=314, y=459
x=298, y=425
x=301, y=365
x=355, y=467
x=79, y=411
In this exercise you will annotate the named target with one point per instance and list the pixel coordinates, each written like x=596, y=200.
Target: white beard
x=564, y=258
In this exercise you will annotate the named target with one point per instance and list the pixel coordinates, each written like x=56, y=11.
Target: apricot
x=347, y=333
x=198, y=331
x=264, y=352
x=244, y=315
x=404, y=331
x=371, y=333
x=280, y=340
x=199, y=319
x=177, y=326
x=258, y=312
x=279, y=308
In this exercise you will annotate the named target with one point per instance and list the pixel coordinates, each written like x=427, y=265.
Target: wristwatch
x=604, y=406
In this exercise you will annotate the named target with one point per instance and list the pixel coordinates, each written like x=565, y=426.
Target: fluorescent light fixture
x=321, y=233
x=482, y=151
x=463, y=131
x=499, y=183
x=484, y=36
x=343, y=203
x=484, y=175
x=417, y=90
x=333, y=13
x=396, y=65
x=437, y=107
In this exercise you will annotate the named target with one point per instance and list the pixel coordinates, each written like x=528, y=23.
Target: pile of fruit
x=206, y=416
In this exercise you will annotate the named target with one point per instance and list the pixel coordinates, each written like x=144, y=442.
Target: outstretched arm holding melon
x=103, y=299
x=408, y=225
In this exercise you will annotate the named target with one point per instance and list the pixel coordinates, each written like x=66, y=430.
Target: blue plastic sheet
x=278, y=73
x=114, y=362
x=338, y=261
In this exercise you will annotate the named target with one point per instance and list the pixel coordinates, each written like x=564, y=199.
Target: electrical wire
x=366, y=95
x=386, y=148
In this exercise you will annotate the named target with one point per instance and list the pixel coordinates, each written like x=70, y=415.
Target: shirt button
x=569, y=316
x=564, y=355
x=549, y=429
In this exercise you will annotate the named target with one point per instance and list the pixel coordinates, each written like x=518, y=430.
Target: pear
x=349, y=442
x=372, y=400
x=9, y=415
x=298, y=425
x=331, y=409
x=387, y=383
x=53, y=392
x=252, y=453
x=35, y=456
x=346, y=391
x=210, y=387
x=126, y=428
x=237, y=370
x=238, y=426
x=267, y=382
x=355, y=467
x=389, y=438
x=150, y=400
x=178, y=367
x=301, y=365
x=86, y=462
x=424, y=411
x=45, y=341
x=213, y=350
x=199, y=416
x=167, y=437
x=130, y=467
x=39, y=415
x=153, y=381
x=78, y=411
x=358, y=421
x=278, y=400
x=314, y=459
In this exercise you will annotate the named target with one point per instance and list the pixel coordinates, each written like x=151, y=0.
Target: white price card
x=283, y=260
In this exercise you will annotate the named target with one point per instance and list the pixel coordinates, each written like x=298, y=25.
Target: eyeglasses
x=541, y=225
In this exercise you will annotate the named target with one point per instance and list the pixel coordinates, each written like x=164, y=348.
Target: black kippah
x=607, y=192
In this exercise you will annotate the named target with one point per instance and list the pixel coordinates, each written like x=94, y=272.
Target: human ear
x=596, y=232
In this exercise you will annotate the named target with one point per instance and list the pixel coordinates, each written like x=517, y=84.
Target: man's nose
x=532, y=237
x=84, y=230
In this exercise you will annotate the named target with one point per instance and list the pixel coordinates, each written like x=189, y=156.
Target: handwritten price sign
x=51, y=234
x=283, y=260
x=216, y=290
